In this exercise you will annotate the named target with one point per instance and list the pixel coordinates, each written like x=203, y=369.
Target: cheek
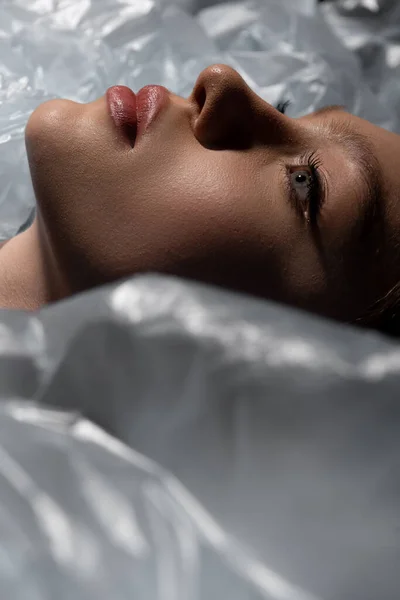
x=219, y=217
x=200, y=197
x=78, y=172
x=213, y=219
x=175, y=208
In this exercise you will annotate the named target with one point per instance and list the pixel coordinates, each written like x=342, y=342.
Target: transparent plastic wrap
x=371, y=30
x=284, y=430
x=161, y=440
x=76, y=49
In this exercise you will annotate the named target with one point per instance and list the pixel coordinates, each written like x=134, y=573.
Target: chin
x=49, y=120
x=52, y=136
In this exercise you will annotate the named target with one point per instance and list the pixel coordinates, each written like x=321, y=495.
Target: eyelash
x=314, y=197
x=282, y=106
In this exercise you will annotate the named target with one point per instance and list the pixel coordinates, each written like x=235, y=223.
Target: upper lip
x=149, y=101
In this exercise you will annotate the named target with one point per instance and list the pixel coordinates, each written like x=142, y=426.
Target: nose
x=230, y=115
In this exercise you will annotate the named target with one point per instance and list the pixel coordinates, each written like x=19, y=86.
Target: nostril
x=223, y=109
x=200, y=97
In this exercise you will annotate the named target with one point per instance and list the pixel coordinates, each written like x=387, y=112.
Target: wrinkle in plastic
x=230, y=448
x=287, y=49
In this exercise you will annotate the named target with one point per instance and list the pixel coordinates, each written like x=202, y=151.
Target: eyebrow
x=325, y=110
x=360, y=150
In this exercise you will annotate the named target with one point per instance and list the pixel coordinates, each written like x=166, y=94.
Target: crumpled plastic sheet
x=161, y=440
x=289, y=49
x=280, y=433
x=371, y=30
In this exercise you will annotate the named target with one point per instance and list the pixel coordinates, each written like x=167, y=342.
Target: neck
x=28, y=276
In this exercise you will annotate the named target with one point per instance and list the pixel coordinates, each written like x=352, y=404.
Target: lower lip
x=133, y=113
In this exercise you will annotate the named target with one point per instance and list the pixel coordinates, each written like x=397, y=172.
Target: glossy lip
x=133, y=113
x=150, y=101
x=122, y=104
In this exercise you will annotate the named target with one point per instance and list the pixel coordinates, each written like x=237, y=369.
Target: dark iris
x=301, y=178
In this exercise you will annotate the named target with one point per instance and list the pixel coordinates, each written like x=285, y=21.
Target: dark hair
x=384, y=315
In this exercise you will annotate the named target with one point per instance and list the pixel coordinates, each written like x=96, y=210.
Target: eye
x=301, y=181
x=306, y=190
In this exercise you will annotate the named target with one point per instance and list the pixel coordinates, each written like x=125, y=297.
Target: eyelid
x=316, y=158
x=306, y=162
x=323, y=183
x=291, y=194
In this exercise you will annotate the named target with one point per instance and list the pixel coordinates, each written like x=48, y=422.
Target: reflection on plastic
x=283, y=48
x=184, y=442
x=88, y=526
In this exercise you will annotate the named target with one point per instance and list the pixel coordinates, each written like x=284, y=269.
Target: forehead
x=374, y=151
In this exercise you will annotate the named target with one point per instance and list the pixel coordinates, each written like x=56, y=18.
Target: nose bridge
x=231, y=114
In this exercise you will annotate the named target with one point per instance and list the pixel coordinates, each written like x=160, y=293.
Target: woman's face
x=223, y=188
